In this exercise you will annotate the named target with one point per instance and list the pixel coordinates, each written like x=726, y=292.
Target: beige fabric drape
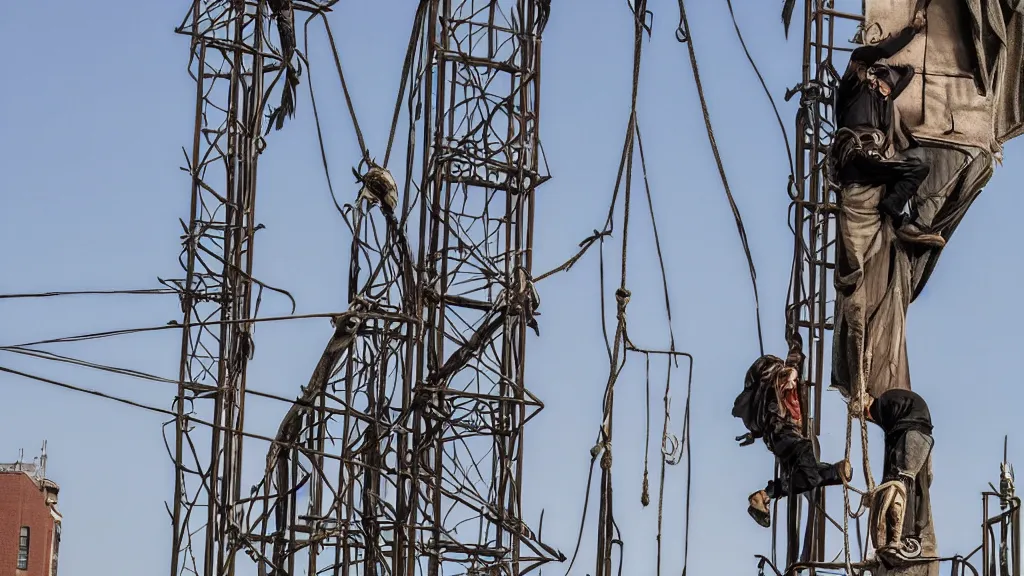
x=963, y=103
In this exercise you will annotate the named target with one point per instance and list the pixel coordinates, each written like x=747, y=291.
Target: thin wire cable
x=166, y=412
x=174, y=325
x=319, y=129
x=417, y=31
x=688, y=40
x=363, y=150
x=145, y=291
x=657, y=240
x=768, y=93
x=88, y=391
x=53, y=357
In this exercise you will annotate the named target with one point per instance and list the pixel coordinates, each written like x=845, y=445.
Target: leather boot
x=758, y=508
x=912, y=234
x=845, y=470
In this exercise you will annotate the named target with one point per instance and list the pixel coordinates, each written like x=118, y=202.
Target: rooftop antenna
x=1006, y=477
x=42, y=461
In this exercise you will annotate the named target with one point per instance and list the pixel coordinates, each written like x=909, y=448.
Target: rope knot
x=606, y=458
x=622, y=295
x=622, y=299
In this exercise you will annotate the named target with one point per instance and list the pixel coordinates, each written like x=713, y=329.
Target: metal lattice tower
x=812, y=212
x=216, y=294
x=404, y=452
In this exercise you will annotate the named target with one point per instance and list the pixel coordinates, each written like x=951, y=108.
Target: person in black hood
x=907, y=423
x=769, y=406
x=864, y=150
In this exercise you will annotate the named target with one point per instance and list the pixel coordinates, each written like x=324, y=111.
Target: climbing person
x=769, y=406
x=870, y=146
x=907, y=423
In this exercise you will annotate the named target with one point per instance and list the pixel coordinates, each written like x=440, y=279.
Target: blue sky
x=98, y=105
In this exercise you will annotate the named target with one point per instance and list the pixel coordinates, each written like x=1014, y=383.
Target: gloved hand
x=745, y=439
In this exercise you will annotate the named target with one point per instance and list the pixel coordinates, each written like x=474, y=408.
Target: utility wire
x=684, y=36
x=53, y=357
x=202, y=324
x=150, y=291
x=88, y=391
x=166, y=412
x=768, y=93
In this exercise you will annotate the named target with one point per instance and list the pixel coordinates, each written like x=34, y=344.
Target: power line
x=145, y=291
x=684, y=36
x=195, y=386
x=88, y=391
x=175, y=325
x=163, y=411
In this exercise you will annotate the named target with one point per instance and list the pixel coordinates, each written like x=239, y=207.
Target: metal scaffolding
x=227, y=64
x=829, y=29
x=404, y=452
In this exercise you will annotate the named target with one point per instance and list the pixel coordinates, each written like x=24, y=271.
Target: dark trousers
x=901, y=179
x=801, y=471
x=906, y=459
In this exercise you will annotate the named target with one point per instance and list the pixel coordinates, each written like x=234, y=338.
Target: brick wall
x=23, y=503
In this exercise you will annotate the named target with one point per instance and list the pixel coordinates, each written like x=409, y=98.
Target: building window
x=23, y=549
x=56, y=547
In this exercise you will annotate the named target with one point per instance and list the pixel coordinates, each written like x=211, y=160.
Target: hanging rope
x=868, y=495
x=605, y=537
x=645, y=496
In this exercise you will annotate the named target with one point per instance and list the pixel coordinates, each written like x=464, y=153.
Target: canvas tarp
x=964, y=102
x=877, y=276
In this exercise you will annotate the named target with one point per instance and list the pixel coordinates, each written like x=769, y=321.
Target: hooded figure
x=769, y=407
x=871, y=147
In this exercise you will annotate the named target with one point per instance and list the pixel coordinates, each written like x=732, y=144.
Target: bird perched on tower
x=378, y=186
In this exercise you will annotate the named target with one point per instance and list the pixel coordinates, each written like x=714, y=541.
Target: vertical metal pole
x=815, y=246
x=216, y=290
x=986, y=565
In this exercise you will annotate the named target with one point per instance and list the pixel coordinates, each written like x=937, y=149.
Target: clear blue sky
x=97, y=105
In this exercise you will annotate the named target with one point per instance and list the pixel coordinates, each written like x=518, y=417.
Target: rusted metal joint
x=811, y=92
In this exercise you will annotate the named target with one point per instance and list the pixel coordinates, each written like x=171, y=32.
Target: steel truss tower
x=227, y=64
x=812, y=214
x=404, y=452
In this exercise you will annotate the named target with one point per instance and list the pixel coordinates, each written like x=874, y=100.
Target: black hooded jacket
x=860, y=106
x=758, y=404
x=897, y=411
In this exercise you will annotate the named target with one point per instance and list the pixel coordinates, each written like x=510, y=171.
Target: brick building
x=29, y=520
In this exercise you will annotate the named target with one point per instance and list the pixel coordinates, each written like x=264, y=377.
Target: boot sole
x=761, y=518
x=920, y=241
